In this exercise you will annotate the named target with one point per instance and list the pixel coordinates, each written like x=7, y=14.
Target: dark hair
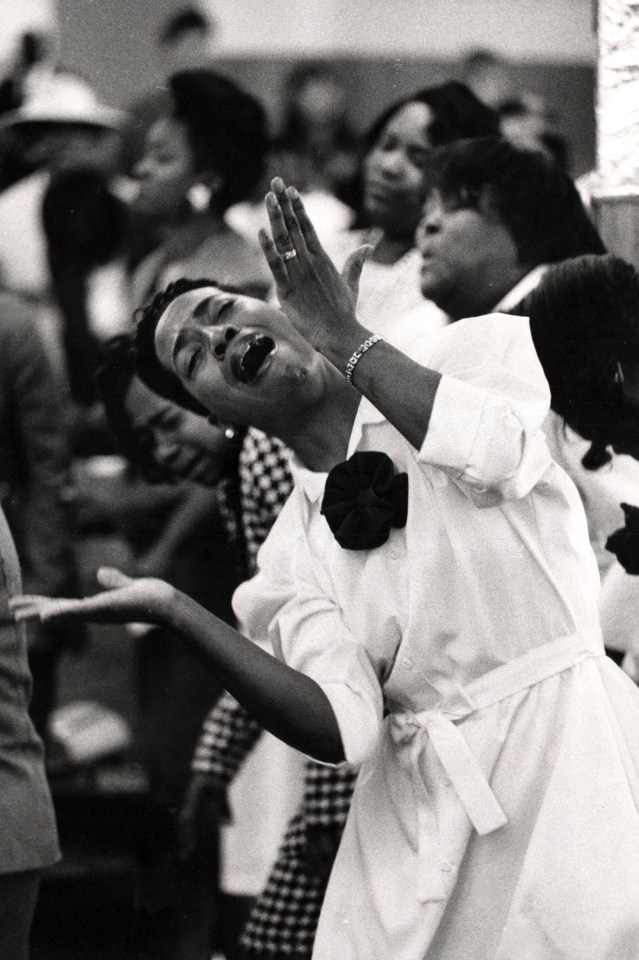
x=549, y=138
x=226, y=129
x=83, y=218
x=185, y=21
x=525, y=190
x=114, y=377
x=584, y=320
x=457, y=114
x=480, y=57
x=148, y=367
x=85, y=225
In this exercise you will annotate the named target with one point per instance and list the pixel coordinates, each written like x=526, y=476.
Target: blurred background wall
x=381, y=48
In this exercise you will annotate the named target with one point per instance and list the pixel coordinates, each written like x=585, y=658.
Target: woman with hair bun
x=205, y=155
x=583, y=319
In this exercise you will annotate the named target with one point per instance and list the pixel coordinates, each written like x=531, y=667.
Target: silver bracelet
x=359, y=353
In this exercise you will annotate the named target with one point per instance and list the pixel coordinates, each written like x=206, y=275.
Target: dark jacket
x=28, y=839
x=34, y=456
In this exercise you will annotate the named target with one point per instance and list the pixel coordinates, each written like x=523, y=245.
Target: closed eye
x=192, y=362
x=224, y=308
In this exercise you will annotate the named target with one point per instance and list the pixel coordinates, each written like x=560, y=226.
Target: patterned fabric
x=283, y=920
x=265, y=483
x=327, y=795
x=227, y=737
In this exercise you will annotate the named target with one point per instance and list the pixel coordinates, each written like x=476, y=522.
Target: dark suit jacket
x=34, y=457
x=28, y=838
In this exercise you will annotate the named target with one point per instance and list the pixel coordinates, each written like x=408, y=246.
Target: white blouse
x=463, y=661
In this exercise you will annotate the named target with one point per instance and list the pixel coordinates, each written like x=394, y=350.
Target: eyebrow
x=201, y=308
x=197, y=313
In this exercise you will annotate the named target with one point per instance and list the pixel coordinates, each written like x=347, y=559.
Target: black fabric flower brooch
x=624, y=543
x=363, y=499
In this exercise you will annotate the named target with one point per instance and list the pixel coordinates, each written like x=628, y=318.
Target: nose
x=428, y=226
x=141, y=169
x=391, y=162
x=218, y=338
x=167, y=452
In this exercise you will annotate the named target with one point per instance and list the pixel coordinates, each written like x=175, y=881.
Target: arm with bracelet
x=321, y=304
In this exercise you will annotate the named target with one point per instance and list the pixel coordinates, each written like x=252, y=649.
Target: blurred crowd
x=100, y=210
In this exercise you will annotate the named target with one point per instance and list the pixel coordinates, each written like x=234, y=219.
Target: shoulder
x=494, y=337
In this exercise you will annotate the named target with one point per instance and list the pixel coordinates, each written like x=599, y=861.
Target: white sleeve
x=311, y=635
x=285, y=607
x=485, y=427
x=257, y=601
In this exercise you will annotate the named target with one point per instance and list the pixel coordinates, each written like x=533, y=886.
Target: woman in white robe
x=460, y=661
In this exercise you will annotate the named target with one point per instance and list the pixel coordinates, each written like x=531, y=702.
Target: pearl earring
x=229, y=429
x=199, y=197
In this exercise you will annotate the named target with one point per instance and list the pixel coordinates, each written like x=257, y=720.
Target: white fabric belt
x=460, y=764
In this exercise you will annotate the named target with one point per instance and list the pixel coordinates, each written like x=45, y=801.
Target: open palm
x=125, y=599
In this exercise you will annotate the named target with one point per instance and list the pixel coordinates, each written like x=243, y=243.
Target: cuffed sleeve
x=485, y=427
x=310, y=635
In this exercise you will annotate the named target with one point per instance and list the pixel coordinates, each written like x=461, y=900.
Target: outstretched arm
x=321, y=303
x=289, y=704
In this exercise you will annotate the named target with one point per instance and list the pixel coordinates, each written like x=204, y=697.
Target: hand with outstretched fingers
x=318, y=299
x=124, y=600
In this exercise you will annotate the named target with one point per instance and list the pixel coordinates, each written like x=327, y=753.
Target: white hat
x=64, y=98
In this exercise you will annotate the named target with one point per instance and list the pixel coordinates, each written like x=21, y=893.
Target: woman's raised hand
x=314, y=295
x=124, y=600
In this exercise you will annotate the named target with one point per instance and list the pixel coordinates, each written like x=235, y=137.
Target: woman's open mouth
x=247, y=361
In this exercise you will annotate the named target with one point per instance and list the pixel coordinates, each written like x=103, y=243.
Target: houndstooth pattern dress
x=283, y=920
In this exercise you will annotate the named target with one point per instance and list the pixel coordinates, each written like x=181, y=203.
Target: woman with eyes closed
x=238, y=358
x=453, y=650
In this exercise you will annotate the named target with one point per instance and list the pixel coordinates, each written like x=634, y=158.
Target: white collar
x=310, y=482
x=521, y=289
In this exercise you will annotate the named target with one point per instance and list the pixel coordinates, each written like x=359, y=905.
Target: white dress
x=495, y=815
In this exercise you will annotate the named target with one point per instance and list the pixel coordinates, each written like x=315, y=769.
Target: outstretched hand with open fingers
x=125, y=600
x=316, y=297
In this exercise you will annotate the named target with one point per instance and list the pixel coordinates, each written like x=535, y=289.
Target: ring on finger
x=289, y=254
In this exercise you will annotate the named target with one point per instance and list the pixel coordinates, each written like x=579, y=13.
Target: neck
x=320, y=437
x=484, y=300
x=389, y=249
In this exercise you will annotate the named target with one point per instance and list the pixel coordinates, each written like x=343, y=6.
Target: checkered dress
x=265, y=483
x=284, y=917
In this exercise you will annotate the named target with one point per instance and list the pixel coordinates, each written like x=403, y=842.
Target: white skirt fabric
x=550, y=868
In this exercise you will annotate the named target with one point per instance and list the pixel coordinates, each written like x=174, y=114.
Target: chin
x=297, y=375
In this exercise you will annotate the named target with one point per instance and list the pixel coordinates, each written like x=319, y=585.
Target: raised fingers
x=279, y=229
x=302, y=218
x=275, y=262
x=283, y=196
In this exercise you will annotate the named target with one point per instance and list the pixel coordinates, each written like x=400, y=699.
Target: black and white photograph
x=319, y=480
